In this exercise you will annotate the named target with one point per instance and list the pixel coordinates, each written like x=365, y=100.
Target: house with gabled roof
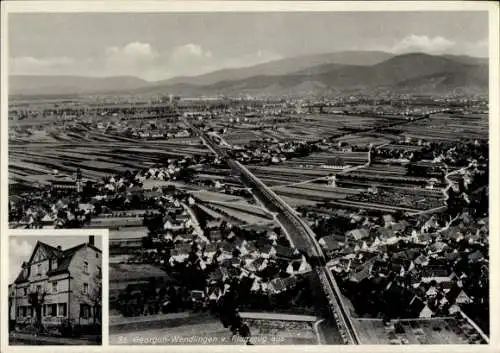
x=287, y=253
x=298, y=266
x=415, y=306
x=457, y=295
x=279, y=285
x=437, y=273
x=356, y=234
x=68, y=284
x=426, y=312
x=330, y=244
x=267, y=250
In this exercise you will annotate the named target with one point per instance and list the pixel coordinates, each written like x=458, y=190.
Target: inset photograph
x=55, y=289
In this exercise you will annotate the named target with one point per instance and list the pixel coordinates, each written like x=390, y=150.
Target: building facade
x=59, y=285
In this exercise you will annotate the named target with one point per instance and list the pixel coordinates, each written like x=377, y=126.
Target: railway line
x=303, y=237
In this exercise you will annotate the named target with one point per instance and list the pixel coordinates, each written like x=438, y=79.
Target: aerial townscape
x=337, y=198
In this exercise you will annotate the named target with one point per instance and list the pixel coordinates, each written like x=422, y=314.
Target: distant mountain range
x=322, y=74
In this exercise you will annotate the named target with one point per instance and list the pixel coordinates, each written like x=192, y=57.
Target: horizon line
x=243, y=67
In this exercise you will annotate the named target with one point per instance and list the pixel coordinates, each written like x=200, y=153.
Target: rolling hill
x=284, y=67
x=417, y=72
x=301, y=76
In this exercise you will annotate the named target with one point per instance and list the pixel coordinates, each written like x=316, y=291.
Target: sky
x=21, y=248
x=157, y=46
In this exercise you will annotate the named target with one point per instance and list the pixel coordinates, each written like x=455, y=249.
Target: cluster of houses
x=262, y=265
x=138, y=190
x=267, y=151
x=421, y=259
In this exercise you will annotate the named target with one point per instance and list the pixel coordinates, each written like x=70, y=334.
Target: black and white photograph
x=55, y=289
x=266, y=178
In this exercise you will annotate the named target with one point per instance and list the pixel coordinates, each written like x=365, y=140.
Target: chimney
x=91, y=240
x=59, y=248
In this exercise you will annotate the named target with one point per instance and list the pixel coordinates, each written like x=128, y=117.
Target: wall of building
x=79, y=277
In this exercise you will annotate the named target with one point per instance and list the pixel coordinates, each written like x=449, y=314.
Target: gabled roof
x=436, y=271
x=407, y=254
x=285, y=252
x=416, y=306
x=358, y=234
x=258, y=262
x=296, y=265
x=238, y=241
x=233, y=272
x=395, y=267
x=21, y=278
x=385, y=233
x=380, y=266
x=475, y=256
x=278, y=284
x=453, y=293
x=250, y=246
x=400, y=226
x=364, y=272
x=226, y=246
x=331, y=243
x=50, y=250
x=215, y=275
x=266, y=248
x=211, y=247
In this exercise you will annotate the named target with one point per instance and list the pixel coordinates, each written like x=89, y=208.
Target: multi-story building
x=59, y=284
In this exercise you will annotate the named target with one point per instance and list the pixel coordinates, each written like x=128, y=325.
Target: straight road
x=303, y=237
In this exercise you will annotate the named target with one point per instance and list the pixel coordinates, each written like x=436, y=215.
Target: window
x=84, y=311
x=44, y=310
x=85, y=288
x=54, y=264
x=99, y=273
x=62, y=309
x=96, y=255
x=39, y=289
x=25, y=291
x=39, y=269
x=54, y=287
x=86, y=267
x=52, y=309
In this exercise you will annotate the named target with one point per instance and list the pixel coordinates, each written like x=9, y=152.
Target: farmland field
x=313, y=192
x=447, y=128
x=210, y=196
x=95, y=158
x=307, y=127
x=235, y=213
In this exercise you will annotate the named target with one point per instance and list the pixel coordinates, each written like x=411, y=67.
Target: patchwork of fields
x=447, y=128
x=300, y=181
x=307, y=128
x=95, y=158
